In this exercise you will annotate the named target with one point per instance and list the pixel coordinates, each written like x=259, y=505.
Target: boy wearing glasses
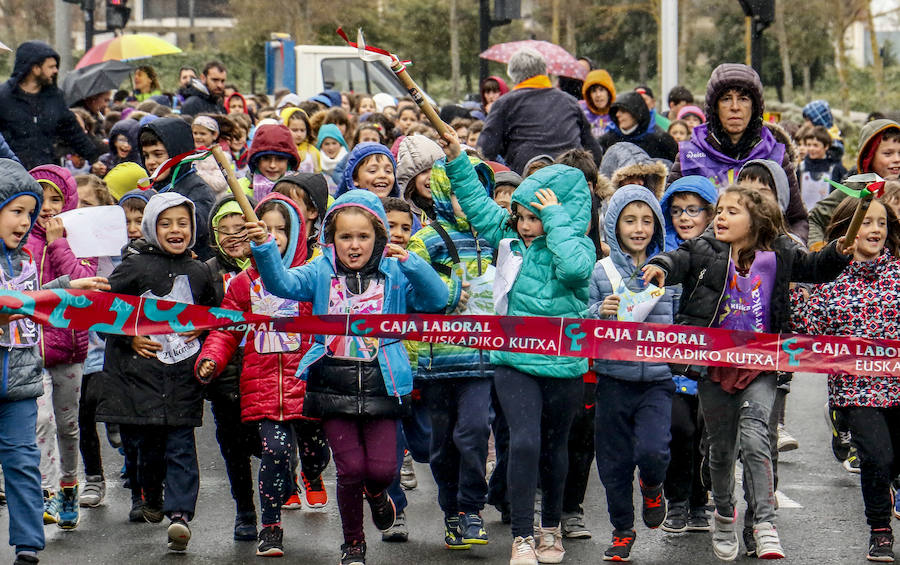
x=688, y=207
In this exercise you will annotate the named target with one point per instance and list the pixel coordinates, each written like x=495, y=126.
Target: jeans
x=632, y=430
x=365, y=458
x=20, y=458
x=875, y=432
x=740, y=421
x=57, y=425
x=497, y=491
x=167, y=455
x=460, y=429
x=538, y=446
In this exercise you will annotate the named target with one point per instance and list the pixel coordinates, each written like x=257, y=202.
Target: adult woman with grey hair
x=534, y=118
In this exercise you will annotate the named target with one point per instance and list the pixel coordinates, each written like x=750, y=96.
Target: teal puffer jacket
x=556, y=268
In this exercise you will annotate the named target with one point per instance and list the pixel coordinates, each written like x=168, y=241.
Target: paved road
x=827, y=527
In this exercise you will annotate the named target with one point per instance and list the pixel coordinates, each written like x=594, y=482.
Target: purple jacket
x=59, y=346
x=699, y=157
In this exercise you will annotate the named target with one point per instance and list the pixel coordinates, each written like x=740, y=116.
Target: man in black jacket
x=206, y=96
x=534, y=118
x=33, y=111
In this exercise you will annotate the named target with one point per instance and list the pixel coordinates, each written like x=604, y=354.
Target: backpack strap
x=441, y=268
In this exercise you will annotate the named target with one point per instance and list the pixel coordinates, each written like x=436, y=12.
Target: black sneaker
x=136, y=514
x=881, y=545
x=676, y=518
x=472, y=527
x=698, y=520
x=383, y=510
x=353, y=554
x=152, y=514
x=851, y=463
x=26, y=559
x=271, y=542
x=620, y=549
x=245, y=526
x=654, y=508
x=840, y=436
x=453, y=538
x=749, y=541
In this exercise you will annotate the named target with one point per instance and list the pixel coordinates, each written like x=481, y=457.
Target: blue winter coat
x=601, y=287
x=410, y=285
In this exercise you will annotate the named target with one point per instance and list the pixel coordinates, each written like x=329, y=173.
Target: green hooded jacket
x=556, y=268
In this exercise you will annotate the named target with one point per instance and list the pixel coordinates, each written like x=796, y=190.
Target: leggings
x=365, y=458
x=88, y=440
x=276, y=475
x=57, y=425
x=537, y=446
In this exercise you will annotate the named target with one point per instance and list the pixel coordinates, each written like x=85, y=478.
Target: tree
x=784, y=50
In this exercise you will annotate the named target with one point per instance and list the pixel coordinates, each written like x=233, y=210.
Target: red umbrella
x=559, y=61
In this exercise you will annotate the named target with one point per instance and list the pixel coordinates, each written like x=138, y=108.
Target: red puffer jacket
x=269, y=386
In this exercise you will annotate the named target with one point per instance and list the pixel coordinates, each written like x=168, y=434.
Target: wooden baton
x=233, y=184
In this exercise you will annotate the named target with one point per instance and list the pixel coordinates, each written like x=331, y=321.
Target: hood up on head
x=602, y=78
x=333, y=132
x=158, y=204
x=782, y=187
x=272, y=140
x=295, y=254
x=15, y=181
x=415, y=154
x=29, y=54
x=622, y=198
x=174, y=133
x=634, y=104
x=315, y=185
x=570, y=187
x=128, y=129
x=225, y=206
x=500, y=82
x=625, y=160
x=869, y=138
x=359, y=153
x=694, y=184
x=369, y=202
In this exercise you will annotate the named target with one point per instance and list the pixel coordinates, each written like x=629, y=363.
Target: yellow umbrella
x=126, y=48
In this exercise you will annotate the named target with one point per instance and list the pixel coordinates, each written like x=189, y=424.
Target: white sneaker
x=523, y=551
x=786, y=442
x=768, y=546
x=408, y=473
x=724, y=537
x=92, y=492
x=550, y=548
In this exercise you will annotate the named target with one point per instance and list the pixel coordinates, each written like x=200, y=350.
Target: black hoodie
x=646, y=135
x=32, y=122
x=176, y=137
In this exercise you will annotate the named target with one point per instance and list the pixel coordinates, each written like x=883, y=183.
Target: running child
x=547, y=230
x=746, y=261
x=359, y=387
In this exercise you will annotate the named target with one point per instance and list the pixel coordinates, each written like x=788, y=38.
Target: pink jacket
x=59, y=346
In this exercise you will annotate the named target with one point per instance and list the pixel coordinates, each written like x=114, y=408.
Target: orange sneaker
x=316, y=495
x=293, y=502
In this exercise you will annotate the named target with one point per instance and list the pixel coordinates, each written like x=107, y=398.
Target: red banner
x=571, y=337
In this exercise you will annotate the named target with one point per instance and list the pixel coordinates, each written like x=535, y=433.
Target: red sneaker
x=316, y=495
x=293, y=502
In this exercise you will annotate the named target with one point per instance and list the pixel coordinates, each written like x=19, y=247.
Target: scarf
x=538, y=81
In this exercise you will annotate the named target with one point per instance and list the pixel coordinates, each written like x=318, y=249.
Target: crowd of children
x=364, y=208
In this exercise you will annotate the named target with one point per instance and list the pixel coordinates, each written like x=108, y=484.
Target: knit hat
x=644, y=89
x=124, y=178
x=694, y=110
x=383, y=100
x=510, y=178
x=333, y=132
x=314, y=185
x=819, y=113
x=733, y=75
x=598, y=77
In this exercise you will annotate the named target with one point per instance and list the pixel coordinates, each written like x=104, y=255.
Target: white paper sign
x=174, y=346
x=97, y=231
x=508, y=266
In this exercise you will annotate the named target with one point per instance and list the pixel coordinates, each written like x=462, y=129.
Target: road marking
x=784, y=501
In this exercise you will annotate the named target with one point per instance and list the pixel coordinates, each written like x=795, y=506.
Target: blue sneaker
x=51, y=508
x=472, y=527
x=452, y=533
x=68, y=511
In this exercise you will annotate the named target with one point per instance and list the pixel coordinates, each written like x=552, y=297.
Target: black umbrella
x=94, y=79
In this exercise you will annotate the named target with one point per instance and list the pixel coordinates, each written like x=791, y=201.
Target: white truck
x=310, y=69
